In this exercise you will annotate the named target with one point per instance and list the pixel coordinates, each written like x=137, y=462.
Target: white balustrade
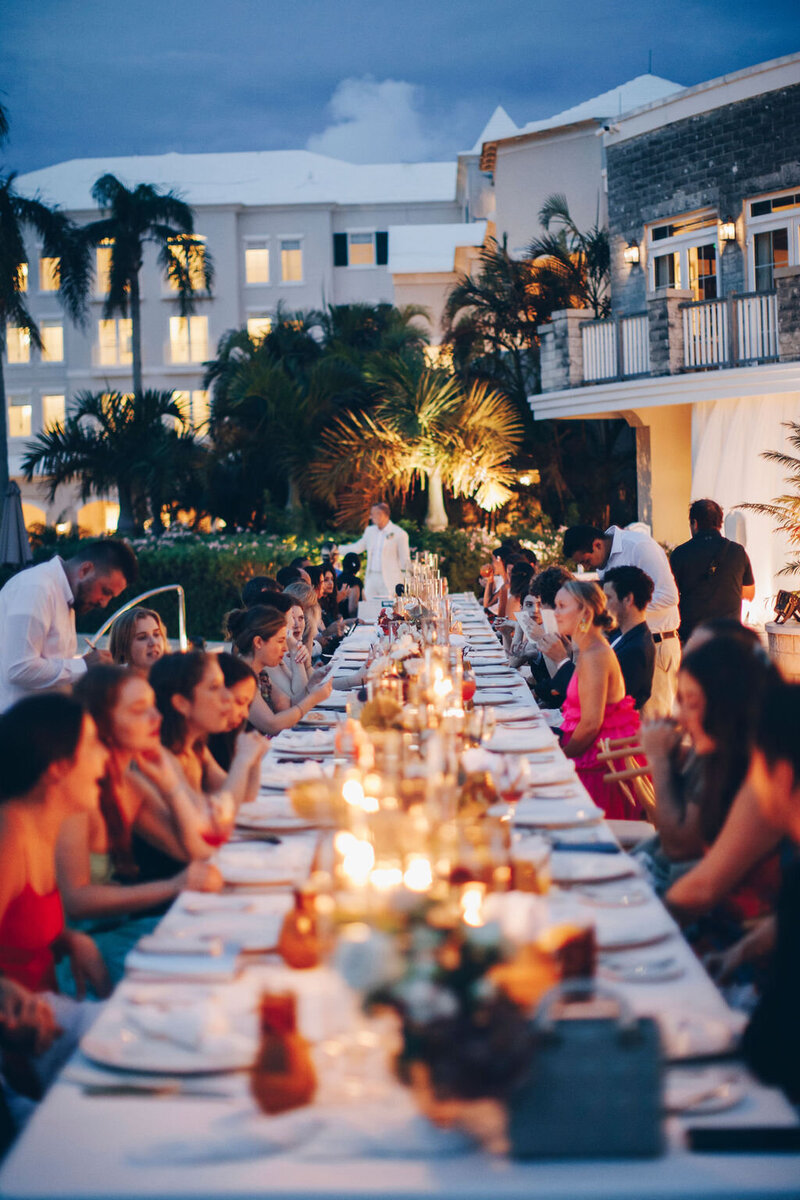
x=599, y=350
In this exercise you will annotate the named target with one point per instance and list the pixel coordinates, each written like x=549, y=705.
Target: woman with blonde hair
x=138, y=639
x=596, y=705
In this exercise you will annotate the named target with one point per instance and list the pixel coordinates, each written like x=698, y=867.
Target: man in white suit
x=386, y=545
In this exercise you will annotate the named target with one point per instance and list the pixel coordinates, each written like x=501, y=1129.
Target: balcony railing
x=616, y=349
x=730, y=332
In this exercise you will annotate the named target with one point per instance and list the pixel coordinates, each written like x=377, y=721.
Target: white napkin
x=257, y=864
x=283, y=775
x=512, y=713
x=297, y=741
x=191, y=1026
x=521, y=741
x=200, y=967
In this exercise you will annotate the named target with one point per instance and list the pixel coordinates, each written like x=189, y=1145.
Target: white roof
x=644, y=89
x=269, y=177
x=498, y=126
x=417, y=249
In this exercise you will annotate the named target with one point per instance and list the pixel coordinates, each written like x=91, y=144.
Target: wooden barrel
x=784, y=648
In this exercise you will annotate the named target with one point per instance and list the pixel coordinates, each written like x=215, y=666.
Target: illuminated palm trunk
x=436, y=518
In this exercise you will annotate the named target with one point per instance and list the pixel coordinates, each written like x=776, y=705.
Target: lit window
x=192, y=257
x=19, y=419
x=256, y=263
x=18, y=344
x=684, y=253
x=52, y=341
x=53, y=410
x=49, y=275
x=258, y=327
x=22, y=277
x=291, y=260
x=188, y=339
x=114, y=342
x=667, y=271
x=194, y=406
x=703, y=271
x=361, y=250
x=102, y=256
x=770, y=250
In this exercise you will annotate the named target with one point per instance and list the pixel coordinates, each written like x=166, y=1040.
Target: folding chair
x=623, y=756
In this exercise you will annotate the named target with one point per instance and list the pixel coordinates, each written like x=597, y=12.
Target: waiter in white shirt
x=388, y=556
x=595, y=550
x=38, y=642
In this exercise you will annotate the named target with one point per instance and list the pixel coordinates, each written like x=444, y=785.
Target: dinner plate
x=617, y=931
x=703, y=1090
x=557, y=814
x=265, y=822
x=319, y=720
x=687, y=1034
x=627, y=895
x=493, y=696
x=521, y=741
x=585, y=867
x=509, y=680
x=654, y=970
x=117, y=1040
x=254, y=864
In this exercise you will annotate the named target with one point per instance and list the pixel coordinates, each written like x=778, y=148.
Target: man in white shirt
x=388, y=556
x=595, y=550
x=38, y=642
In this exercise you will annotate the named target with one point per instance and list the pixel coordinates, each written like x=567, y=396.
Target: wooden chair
x=633, y=777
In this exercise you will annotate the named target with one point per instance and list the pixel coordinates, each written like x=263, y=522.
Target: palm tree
x=572, y=265
x=59, y=240
x=424, y=429
x=139, y=447
x=132, y=218
x=785, y=509
x=270, y=398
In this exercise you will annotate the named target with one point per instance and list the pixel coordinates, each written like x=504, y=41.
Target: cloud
x=376, y=121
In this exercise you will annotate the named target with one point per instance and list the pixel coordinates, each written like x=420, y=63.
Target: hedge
x=212, y=568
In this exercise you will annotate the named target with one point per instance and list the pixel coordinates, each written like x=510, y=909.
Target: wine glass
x=221, y=814
x=514, y=779
x=489, y=722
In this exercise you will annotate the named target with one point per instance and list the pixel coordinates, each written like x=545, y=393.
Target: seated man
x=628, y=592
x=771, y=1041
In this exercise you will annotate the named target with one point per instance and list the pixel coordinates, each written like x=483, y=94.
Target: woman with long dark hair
x=98, y=875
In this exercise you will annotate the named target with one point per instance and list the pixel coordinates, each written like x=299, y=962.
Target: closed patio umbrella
x=15, y=549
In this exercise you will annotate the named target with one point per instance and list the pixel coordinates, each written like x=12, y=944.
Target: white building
x=287, y=228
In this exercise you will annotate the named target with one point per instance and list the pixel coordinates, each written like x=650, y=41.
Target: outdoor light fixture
x=631, y=254
x=727, y=231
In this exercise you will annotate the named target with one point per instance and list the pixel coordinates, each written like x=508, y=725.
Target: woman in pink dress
x=596, y=705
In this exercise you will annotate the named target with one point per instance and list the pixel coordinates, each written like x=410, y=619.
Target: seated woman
x=317, y=637
x=701, y=791
x=194, y=702
x=294, y=672
x=328, y=597
x=242, y=686
x=138, y=639
x=596, y=705
x=495, y=592
x=53, y=761
x=141, y=790
x=259, y=637
x=519, y=580
x=350, y=588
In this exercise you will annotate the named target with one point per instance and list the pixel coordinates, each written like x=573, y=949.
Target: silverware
x=153, y=1089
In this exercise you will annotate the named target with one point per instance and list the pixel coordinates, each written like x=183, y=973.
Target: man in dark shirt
x=713, y=574
x=628, y=591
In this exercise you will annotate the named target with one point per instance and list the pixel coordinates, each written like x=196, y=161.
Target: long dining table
x=157, y=1102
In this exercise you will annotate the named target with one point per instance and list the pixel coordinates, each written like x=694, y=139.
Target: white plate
x=509, y=680
x=556, y=814
x=322, y=720
x=703, y=1091
x=521, y=741
x=494, y=697
x=654, y=970
x=255, y=864
x=115, y=1041
x=271, y=822
x=585, y=867
x=619, y=931
x=627, y=895
x=687, y=1034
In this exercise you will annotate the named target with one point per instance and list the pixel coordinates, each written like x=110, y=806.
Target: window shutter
x=382, y=248
x=340, y=249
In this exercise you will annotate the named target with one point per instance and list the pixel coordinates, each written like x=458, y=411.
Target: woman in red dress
x=596, y=705
x=52, y=762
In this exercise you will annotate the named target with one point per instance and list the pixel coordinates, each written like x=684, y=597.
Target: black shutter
x=340, y=249
x=382, y=248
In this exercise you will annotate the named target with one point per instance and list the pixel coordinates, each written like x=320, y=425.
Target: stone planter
x=784, y=648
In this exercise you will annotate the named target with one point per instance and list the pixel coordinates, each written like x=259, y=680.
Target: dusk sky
x=368, y=81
